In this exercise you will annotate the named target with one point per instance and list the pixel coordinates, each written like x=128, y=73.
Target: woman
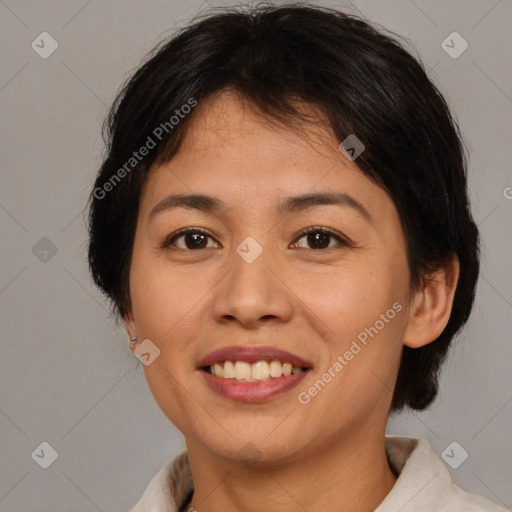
x=282, y=222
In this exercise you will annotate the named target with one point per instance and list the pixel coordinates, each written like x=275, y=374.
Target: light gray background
x=66, y=374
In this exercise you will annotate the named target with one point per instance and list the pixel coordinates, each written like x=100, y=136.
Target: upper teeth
x=259, y=371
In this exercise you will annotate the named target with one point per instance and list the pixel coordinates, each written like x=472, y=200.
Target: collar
x=423, y=485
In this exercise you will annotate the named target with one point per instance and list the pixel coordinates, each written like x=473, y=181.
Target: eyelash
x=343, y=242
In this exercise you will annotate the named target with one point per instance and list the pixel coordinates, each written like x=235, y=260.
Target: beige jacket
x=423, y=485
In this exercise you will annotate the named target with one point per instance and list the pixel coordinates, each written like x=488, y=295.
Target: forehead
x=229, y=140
x=233, y=152
x=227, y=120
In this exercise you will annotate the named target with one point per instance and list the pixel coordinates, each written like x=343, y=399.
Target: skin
x=311, y=302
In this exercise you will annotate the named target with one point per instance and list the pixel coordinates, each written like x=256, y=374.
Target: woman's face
x=247, y=281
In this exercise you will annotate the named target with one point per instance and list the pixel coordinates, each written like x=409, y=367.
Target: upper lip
x=252, y=355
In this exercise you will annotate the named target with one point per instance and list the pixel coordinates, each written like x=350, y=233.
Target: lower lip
x=252, y=392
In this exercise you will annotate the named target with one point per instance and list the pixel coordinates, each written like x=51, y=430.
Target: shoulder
x=424, y=483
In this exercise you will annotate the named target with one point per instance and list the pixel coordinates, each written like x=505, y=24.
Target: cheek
x=363, y=308
x=350, y=298
x=366, y=326
x=166, y=305
x=167, y=387
x=164, y=298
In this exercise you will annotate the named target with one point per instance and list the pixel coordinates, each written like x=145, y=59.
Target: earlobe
x=129, y=323
x=432, y=305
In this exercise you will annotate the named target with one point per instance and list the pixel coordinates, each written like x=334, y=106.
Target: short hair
x=365, y=83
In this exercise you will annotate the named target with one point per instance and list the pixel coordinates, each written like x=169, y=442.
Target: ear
x=129, y=323
x=431, y=306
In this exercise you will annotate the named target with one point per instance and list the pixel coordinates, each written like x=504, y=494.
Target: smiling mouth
x=259, y=371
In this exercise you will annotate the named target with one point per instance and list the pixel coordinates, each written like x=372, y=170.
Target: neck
x=353, y=473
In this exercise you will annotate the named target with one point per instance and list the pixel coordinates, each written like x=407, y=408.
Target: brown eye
x=190, y=239
x=319, y=238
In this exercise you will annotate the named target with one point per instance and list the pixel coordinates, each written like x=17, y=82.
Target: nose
x=254, y=292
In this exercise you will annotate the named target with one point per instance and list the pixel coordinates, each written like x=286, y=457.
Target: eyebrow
x=210, y=204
